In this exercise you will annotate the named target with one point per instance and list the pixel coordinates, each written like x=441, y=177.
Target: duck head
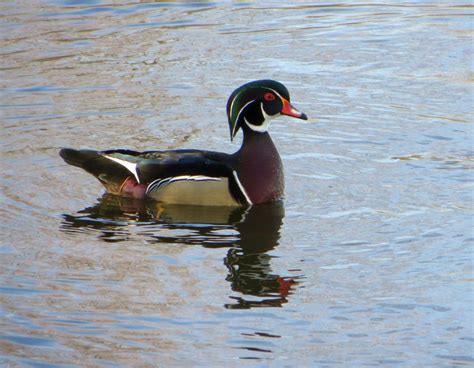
x=254, y=104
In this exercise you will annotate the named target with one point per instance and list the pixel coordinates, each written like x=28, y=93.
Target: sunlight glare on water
x=366, y=262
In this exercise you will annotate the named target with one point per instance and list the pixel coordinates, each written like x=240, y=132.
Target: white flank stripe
x=156, y=184
x=130, y=166
x=241, y=187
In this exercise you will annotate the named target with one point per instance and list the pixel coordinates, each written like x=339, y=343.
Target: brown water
x=368, y=260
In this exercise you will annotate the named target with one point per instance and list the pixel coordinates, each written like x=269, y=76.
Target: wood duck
x=252, y=175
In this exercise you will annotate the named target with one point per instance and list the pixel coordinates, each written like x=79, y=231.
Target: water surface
x=366, y=262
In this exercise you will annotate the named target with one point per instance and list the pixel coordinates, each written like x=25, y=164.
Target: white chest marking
x=241, y=187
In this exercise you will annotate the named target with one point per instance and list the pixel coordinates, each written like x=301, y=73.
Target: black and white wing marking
x=161, y=183
x=130, y=166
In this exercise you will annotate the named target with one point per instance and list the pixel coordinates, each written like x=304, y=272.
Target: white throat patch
x=266, y=122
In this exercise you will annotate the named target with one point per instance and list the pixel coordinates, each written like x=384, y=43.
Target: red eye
x=269, y=96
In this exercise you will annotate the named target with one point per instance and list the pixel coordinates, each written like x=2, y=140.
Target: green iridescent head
x=254, y=104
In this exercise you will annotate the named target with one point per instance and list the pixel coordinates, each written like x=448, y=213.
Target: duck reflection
x=249, y=233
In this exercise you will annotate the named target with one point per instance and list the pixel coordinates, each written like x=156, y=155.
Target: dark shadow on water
x=249, y=233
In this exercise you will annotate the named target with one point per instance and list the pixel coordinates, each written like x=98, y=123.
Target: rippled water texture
x=366, y=262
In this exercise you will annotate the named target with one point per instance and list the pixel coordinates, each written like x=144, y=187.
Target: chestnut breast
x=260, y=169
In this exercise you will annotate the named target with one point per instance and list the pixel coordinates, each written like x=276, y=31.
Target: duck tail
x=111, y=174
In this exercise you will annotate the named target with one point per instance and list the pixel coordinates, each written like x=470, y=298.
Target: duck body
x=192, y=177
x=252, y=175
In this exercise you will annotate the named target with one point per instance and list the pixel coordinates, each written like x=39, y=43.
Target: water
x=366, y=262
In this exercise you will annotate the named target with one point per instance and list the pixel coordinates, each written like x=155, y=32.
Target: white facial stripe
x=130, y=166
x=241, y=187
x=293, y=111
x=238, y=116
x=258, y=128
x=265, y=115
x=235, y=98
x=266, y=122
x=232, y=104
x=275, y=92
